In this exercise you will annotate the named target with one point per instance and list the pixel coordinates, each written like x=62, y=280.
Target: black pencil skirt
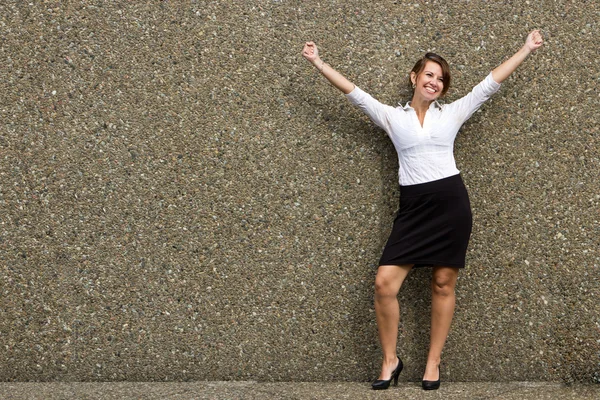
x=433, y=225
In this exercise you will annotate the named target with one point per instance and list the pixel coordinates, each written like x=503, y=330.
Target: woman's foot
x=388, y=368
x=388, y=376
x=431, y=379
x=432, y=371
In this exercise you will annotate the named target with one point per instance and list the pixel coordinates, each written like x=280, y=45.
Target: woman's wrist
x=319, y=64
x=526, y=50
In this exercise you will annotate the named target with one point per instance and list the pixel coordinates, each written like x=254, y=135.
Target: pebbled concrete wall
x=182, y=197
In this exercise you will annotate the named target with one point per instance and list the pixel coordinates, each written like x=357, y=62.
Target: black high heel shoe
x=381, y=384
x=432, y=385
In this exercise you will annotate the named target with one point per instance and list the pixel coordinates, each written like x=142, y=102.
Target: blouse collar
x=407, y=106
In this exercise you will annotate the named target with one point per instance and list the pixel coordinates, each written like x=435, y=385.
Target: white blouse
x=425, y=153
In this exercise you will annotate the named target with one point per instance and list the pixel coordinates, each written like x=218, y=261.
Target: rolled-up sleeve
x=467, y=105
x=378, y=113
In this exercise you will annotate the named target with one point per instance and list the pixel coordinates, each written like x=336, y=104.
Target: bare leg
x=442, y=311
x=387, y=284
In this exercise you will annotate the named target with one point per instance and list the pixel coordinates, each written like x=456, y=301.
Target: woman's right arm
x=311, y=53
x=378, y=112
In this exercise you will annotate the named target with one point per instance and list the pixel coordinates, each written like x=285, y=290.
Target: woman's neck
x=420, y=105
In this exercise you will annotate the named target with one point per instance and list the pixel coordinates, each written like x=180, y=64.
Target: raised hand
x=534, y=40
x=310, y=52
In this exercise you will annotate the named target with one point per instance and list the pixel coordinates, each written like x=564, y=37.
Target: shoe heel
x=397, y=371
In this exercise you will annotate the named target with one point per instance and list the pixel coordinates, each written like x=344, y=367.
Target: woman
x=433, y=224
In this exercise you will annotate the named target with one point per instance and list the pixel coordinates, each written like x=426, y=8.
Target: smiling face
x=429, y=83
x=430, y=77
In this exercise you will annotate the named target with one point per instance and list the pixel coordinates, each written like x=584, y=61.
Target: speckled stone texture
x=183, y=197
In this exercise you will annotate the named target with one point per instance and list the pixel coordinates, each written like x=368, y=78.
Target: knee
x=442, y=286
x=384, y=286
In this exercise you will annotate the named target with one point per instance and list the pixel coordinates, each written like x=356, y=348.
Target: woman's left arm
x=533, y=42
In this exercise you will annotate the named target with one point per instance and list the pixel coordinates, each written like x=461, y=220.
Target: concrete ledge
x=294, y=390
